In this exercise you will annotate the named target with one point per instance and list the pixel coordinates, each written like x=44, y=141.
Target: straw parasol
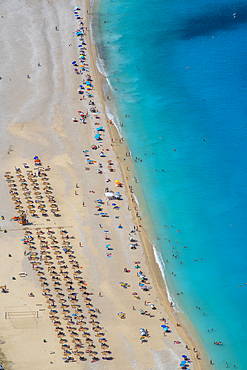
x=81, y=322
x=103, y=340
x=40, y=273
x=75, y=306
x=74, y=335
x=99, y=335
x=78, y=353
x=97, y=329
x=84, y=329
x=58, y=328
x=62, y=340
x=49, y=300
x=58, y=289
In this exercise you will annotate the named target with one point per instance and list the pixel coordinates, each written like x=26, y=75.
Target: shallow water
x=182, y=82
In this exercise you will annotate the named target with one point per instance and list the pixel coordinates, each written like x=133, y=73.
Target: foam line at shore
x=162, y=267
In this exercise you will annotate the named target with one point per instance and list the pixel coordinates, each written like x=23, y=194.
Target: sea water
x=177, y=80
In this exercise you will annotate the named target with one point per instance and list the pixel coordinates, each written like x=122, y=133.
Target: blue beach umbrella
x=97, y=136
x=74, y=62
x=35, y=157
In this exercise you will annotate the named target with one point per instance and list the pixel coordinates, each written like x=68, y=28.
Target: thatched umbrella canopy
x=81, y=322
x=76, y=306
x=50, y=300
x=58, y=290
x=84, y=329
x=99, y=335
x=63, y=340
x=97, y=329
x=58, y=328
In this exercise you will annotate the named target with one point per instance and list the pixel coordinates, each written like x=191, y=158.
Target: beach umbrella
x=97, y=329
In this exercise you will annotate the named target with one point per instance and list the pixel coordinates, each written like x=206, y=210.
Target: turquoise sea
x=178, y=69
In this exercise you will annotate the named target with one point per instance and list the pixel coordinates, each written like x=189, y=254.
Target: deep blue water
x=182, y=70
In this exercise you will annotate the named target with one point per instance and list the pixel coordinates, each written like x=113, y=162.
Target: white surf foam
x=162, y=267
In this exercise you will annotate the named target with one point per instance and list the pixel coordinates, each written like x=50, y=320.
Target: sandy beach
x=81, y=278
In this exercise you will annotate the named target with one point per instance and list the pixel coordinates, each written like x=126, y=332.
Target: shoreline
x=148, y=248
